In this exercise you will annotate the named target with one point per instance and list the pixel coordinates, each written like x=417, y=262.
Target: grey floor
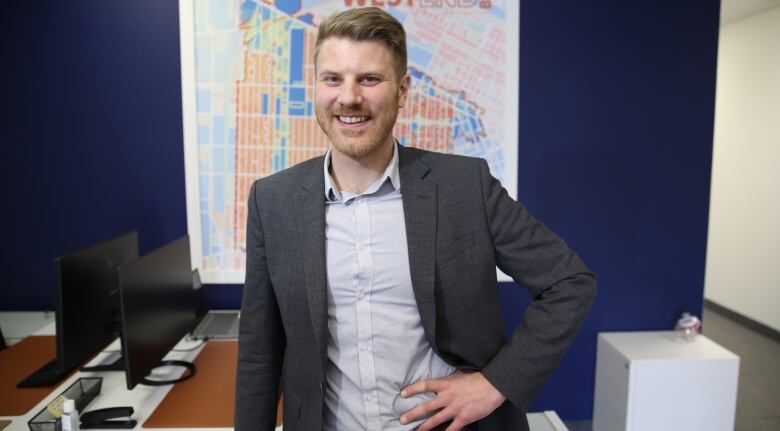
x=758, y=397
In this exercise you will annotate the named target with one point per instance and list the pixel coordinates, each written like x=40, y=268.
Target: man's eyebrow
x=326, y=72
x=376, y=73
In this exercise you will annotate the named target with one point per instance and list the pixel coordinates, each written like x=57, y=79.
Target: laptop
x=214, y=324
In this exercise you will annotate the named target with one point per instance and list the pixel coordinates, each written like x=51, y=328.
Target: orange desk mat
x=16, y=363
x=208, y=399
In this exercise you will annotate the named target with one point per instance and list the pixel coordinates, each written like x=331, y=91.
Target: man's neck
x=355, y=175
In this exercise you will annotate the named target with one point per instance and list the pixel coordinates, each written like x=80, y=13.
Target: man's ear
x=403, y=90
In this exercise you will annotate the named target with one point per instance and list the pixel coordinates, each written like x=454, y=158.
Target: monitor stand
x=188, y=372
x=112, y=362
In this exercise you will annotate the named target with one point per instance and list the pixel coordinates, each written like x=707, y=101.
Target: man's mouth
x=352, y=120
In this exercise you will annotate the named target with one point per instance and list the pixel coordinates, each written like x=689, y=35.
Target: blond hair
x=366, y=24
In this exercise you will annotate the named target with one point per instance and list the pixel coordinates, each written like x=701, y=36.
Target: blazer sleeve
x=261, y=334
x=561, y=285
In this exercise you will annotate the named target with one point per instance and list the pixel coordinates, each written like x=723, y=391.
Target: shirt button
x=361, y=246
x=361, y=293
x=363, y=348
x=368, y=398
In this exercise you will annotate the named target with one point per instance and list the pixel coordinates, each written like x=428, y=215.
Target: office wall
x=616, y=117
x=742, y=256
x=91, y=135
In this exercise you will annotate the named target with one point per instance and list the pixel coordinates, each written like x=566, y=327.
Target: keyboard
x=219, y=323
x=47, y=375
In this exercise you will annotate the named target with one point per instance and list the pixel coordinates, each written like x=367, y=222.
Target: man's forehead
x=343, y=49
x=353, y=44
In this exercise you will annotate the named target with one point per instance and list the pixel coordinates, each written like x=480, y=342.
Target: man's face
x=358, y=95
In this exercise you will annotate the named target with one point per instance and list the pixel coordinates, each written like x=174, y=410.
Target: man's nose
x=350, y=94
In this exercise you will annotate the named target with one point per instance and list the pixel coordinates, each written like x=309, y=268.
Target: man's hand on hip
x=463, y=398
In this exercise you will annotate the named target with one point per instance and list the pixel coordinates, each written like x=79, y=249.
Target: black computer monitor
x=87, y=305
x=157, y=309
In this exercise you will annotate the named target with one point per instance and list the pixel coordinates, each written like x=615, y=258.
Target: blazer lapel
x=418, y=192
x=311, y=202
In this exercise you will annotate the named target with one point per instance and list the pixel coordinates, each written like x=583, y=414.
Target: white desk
x=144, y=399
x=19, y=324
x=657, y=381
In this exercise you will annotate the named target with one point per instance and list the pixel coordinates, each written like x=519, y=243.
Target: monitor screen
x=88, y=299
x=157, y=307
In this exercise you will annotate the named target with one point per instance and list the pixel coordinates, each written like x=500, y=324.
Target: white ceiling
x=735, y=10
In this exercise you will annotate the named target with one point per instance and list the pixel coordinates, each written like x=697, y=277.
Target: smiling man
x=371, y=292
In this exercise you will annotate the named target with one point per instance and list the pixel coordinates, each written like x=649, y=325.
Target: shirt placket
x=363, y=308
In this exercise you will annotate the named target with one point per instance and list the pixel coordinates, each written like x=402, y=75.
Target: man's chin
x=357, y=149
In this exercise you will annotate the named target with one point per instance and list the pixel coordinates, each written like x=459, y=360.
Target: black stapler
x=101, y=418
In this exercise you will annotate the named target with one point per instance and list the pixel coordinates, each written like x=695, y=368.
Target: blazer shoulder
x=444, y=162
x=283, y=181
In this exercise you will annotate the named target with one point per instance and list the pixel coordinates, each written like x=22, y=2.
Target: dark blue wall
x=93, y=144
x=616, y=119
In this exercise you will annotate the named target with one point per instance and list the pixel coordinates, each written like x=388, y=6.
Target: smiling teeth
x=352, y=120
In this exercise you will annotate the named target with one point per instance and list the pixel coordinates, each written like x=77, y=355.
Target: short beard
x=357, y=151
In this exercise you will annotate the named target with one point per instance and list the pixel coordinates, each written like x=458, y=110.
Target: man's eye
x=371, y=80
x=331, y=80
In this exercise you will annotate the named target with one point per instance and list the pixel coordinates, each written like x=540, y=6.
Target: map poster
x=248, y=100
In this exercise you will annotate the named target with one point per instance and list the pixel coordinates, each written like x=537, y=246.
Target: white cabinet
x=651, y=381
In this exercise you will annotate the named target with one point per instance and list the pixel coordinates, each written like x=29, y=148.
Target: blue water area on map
x=417, y=54
x=400, y=16
x=308, y=108
x=221, y=16
x=497, y=11
x=265, y=103
x=219, y=200
x=227, y=55
x=477, y=26
x=288, y=6
x=232, y=137
x=204, y=230
x=204, y=191
x=306, y=4
x=296, y=56
x=218, y=130
x=204, y=101
x=248, y=9
x=218, y=159
x=203, y=135
x=307, y=18
x=203, y=58
x=280, y=156
x=278, y=106
x=297, y=105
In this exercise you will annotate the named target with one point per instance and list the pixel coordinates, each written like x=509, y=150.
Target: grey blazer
x=460, y=225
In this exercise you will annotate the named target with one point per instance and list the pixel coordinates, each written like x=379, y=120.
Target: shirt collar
x=391, y=173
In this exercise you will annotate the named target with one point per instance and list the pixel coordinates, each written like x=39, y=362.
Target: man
x=370, y=283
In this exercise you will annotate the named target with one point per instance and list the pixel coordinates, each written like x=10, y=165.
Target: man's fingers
x=456, y=425
x=423, y=410
x=435, y=420
x=434, y=385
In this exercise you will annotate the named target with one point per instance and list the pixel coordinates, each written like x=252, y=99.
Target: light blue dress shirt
x=376, y=343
